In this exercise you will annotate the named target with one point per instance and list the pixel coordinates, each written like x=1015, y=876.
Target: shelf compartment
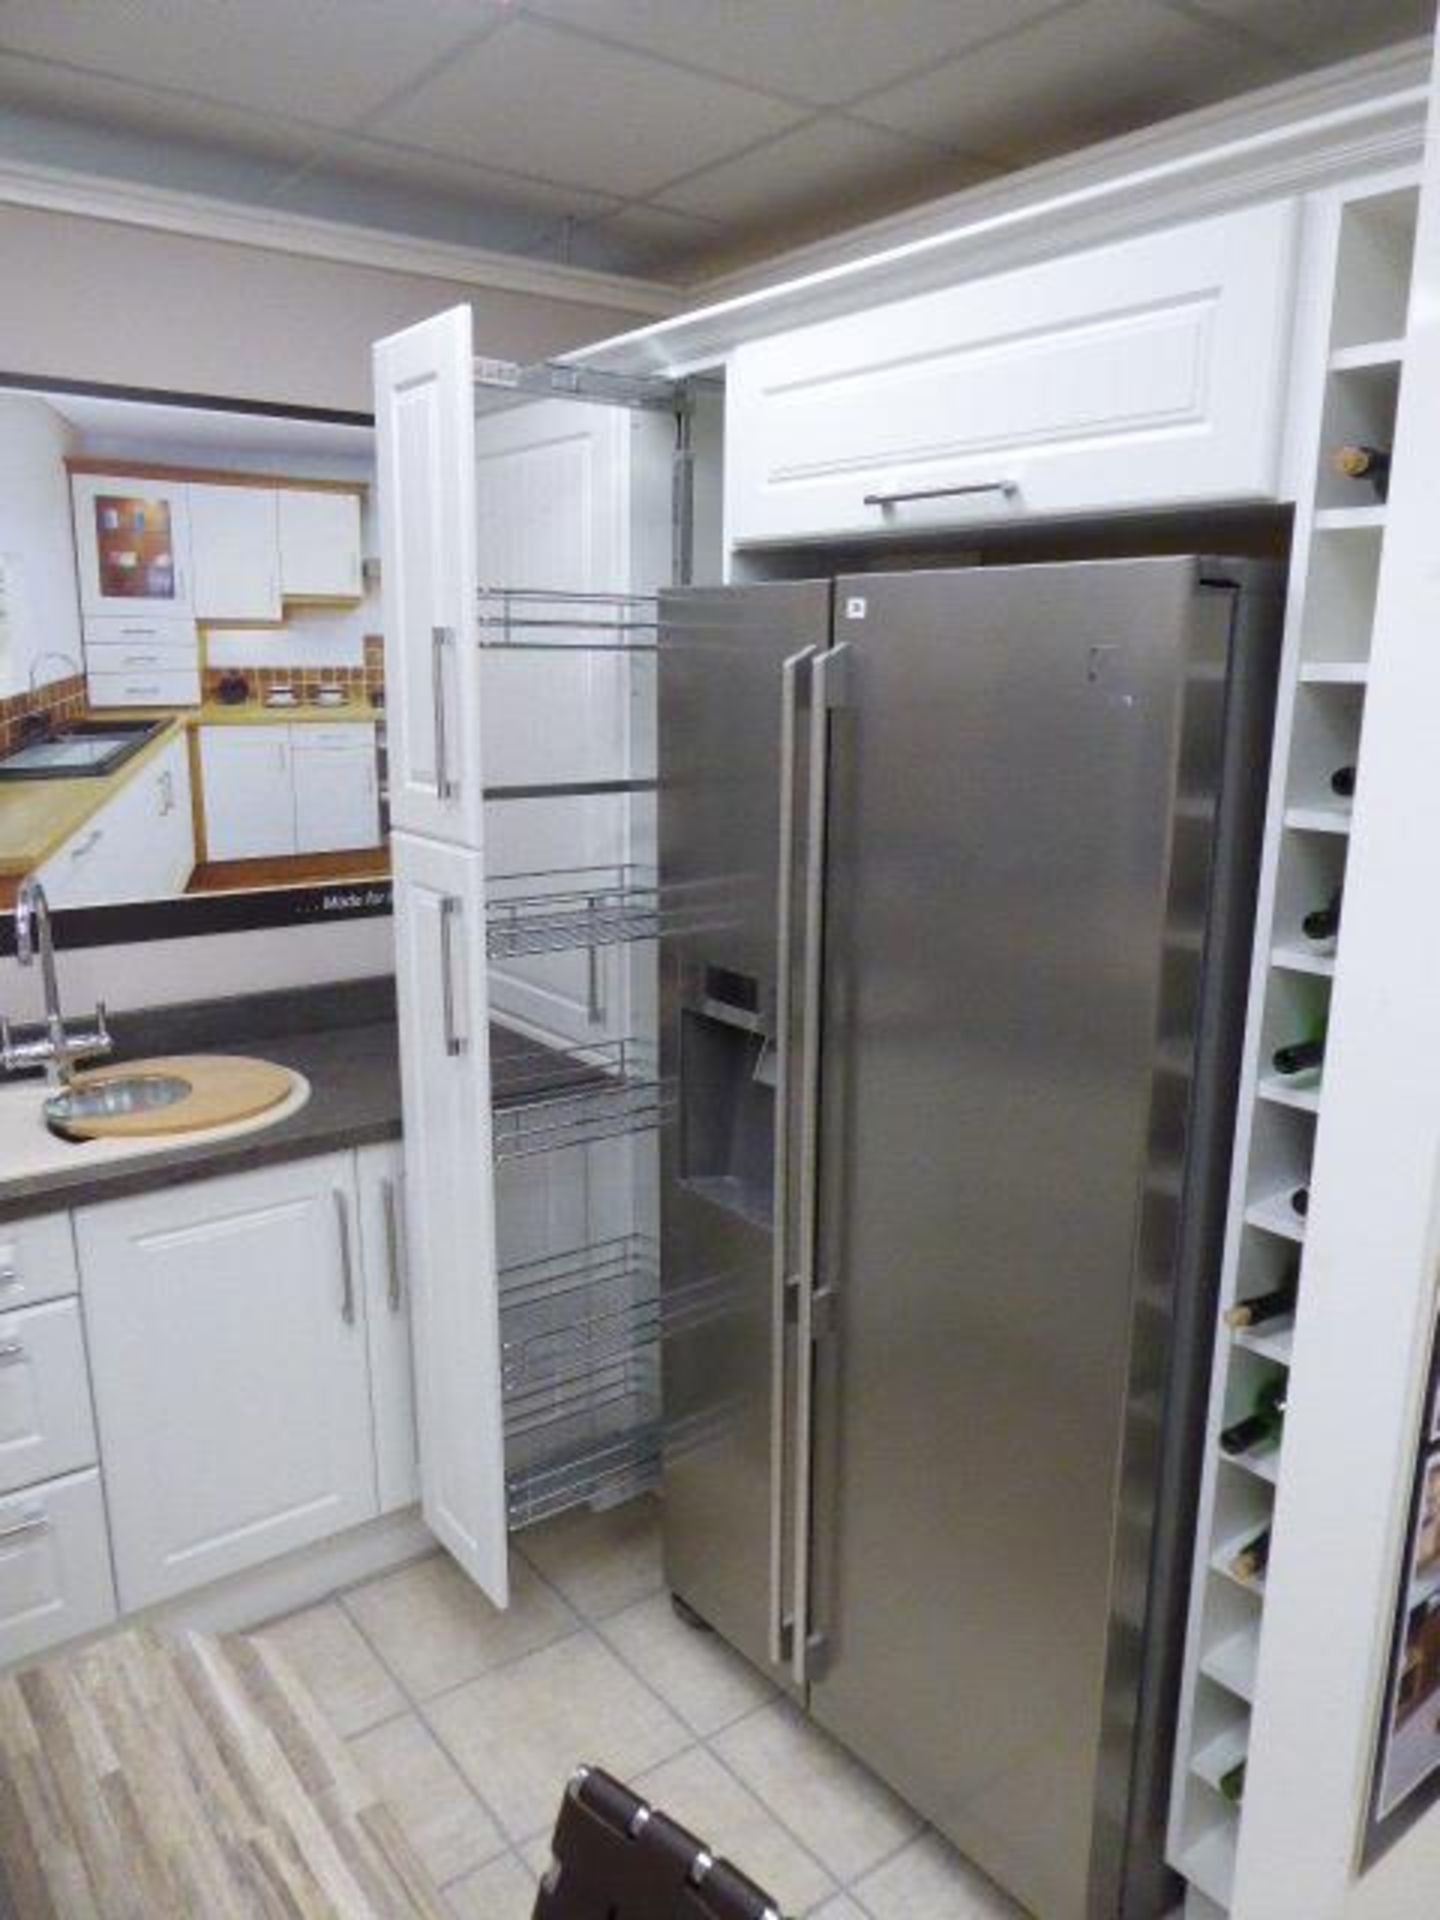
x=1214, y=1760
x=1294, y=959
x=1318, y=819
x=1361, y=404
x=1340, y=594
x=551, y=1098
x=1302, y=1092
x=1209, y=1862
x=1231, y=1663
x=1224, y=1555
x=1312, y=871
x=1373, y=272
x=1275, y=1343
x=578, y=907
x=1273, y=1213
x=599, y=1473
x=516, y=619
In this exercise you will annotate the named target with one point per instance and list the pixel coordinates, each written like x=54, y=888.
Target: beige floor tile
x=601, y=1562
x=928, y=1880
x=697, y=1791
x=441, y=1818
x=837, y=1807
x=841, y=1907
x=434, y=1628
x=348, y=1683
x=705, y=1681
x=504, y=1890
x=519, y=1733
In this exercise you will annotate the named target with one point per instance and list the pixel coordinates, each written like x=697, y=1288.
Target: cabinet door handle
x=1007, y=487
x=9, y=1276
x=142, y=660
x=11, y=1351
x=394, y=1288
x=440, y=638
x=449, y=914
x=92, y=839
x=347, y=1266
x=19, y=1529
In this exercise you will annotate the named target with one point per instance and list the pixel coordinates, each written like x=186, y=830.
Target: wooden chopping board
x=223, y=1088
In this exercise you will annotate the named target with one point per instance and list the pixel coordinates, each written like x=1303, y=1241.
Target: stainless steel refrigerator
x=957, y=871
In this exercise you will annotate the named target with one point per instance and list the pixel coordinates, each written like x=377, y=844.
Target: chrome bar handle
x=347, y=1265
x=394, y=1285
x=20, y=1529
x=440, y=639
x=1008, y=487
x=780, y=1282
x=595, y=998
x=824, y=695
x=449, y=914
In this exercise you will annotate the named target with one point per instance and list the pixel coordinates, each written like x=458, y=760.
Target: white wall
x=43, y=627
x=93, y=301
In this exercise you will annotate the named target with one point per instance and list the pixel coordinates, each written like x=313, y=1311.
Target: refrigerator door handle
x=782, y=1279
x=829, y=690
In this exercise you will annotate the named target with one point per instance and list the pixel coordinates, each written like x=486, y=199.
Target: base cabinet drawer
x=46, y=1425
x=37, y=1261
x=165, y=686
x=55, y=1577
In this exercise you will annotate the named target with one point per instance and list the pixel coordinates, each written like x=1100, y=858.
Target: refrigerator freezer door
x=734, y=687
x=1005, y=846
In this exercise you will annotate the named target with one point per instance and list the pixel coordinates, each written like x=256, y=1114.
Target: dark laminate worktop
x=342, y=1038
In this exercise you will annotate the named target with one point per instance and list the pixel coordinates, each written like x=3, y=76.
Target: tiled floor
x=470, y=1722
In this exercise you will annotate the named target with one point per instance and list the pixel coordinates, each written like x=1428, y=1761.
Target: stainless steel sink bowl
x=136, y=1093
x=79, y=750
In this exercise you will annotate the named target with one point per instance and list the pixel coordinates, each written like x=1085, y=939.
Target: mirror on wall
x=192, y=682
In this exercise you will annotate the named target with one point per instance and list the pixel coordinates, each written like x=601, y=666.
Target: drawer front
x=332, y=736
x=114, y=634
x=37, y=1261
x=1150, y=373
x=142, y=657
x=55, y=1579
x=46, y=1425
x=144, y=687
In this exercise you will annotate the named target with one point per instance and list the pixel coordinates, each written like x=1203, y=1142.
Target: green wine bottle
x=1263, y=1422
x=1275, y=1305
x=1232, y=1783
x=1253, y=1558
x=1305, y=1055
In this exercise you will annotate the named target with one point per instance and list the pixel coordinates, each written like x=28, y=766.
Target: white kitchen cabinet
x=46, y=1426
x=235, y=552
x=337, y=788
x=139, y=846
x=55, y=1580
x=132, y=543
x=380, y=1179
x=320, y=553
x=1146, y=374
x=445, y=1066
x=425, y=444
x=248, y=792
x=228, y=1344
x=37, y=1261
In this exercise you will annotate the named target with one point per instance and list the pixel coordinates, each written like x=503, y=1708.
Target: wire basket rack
x=564, y=909
x=555, y=1097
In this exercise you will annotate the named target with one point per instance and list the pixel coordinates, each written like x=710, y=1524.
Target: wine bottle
x=1232, y=1783
x=1364, y=463
x=1300, y=1201
x=1265, y=1306
x=1253, y=1558
x=1323, y=923
x=1342, y=783
x=1301, y=1056
x=1263, y=1422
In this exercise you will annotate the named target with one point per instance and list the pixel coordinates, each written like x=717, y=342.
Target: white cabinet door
x=425, y=443
x=139, y=846
x=247, y=792
x=337, y=788
x=445, y=1070
x=46, y=1426
x=320, y=556
x=54, y=1565
x=227, y=1334
x=132, y=540
x=235, y=551
x=1145, y=374
x=379, y=1175
x=37, y=1260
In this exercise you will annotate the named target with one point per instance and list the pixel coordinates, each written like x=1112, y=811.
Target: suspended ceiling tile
x=328, y=61
x=646, y=240
x=1325, y=30
x=1097, y=70
x=825, y=51
x=564, y=109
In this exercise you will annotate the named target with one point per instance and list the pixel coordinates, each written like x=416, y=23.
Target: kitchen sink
x=108, y=1099
x=80, y=749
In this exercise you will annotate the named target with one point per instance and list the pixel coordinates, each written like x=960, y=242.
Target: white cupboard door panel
x=138, y=846
x=337, y=789
x=132, y=543
x=248, y=792
x=37, y=1261
x=1144, y=374
x=46, y=1426
x=235, y=551
x=425, y=445
x=380, y=1173
x=227, y=1330
x=445, y=1074
x=320, y=556
x=54, y=1565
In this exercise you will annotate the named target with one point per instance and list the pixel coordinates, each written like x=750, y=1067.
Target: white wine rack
x=1368, y=235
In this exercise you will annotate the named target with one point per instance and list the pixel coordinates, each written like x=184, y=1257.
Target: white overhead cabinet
x=227, y=1323
x=235, y=545
x=132, y=541
x=319, y=534
x=1146, y=374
